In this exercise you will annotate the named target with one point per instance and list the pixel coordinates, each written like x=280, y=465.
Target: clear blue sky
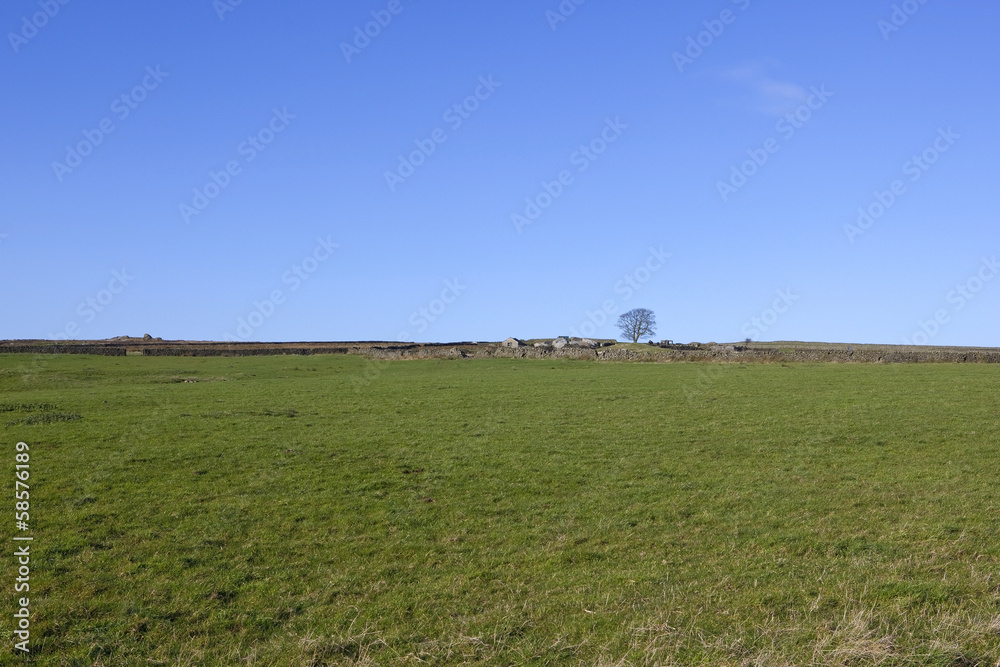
x=309, y=118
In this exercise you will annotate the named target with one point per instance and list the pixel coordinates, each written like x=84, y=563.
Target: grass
x=300, y=511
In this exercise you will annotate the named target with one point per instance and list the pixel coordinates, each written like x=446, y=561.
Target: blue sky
x=472, y=171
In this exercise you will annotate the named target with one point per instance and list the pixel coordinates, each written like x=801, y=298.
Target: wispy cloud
x=764, y=93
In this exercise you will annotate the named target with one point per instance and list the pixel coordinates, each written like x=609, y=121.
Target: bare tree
x=637, y=323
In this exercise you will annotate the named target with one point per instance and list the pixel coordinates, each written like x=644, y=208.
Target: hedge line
x=104, y=350
x=223, y=351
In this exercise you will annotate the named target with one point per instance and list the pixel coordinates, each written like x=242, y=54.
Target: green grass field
x=279, y=511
